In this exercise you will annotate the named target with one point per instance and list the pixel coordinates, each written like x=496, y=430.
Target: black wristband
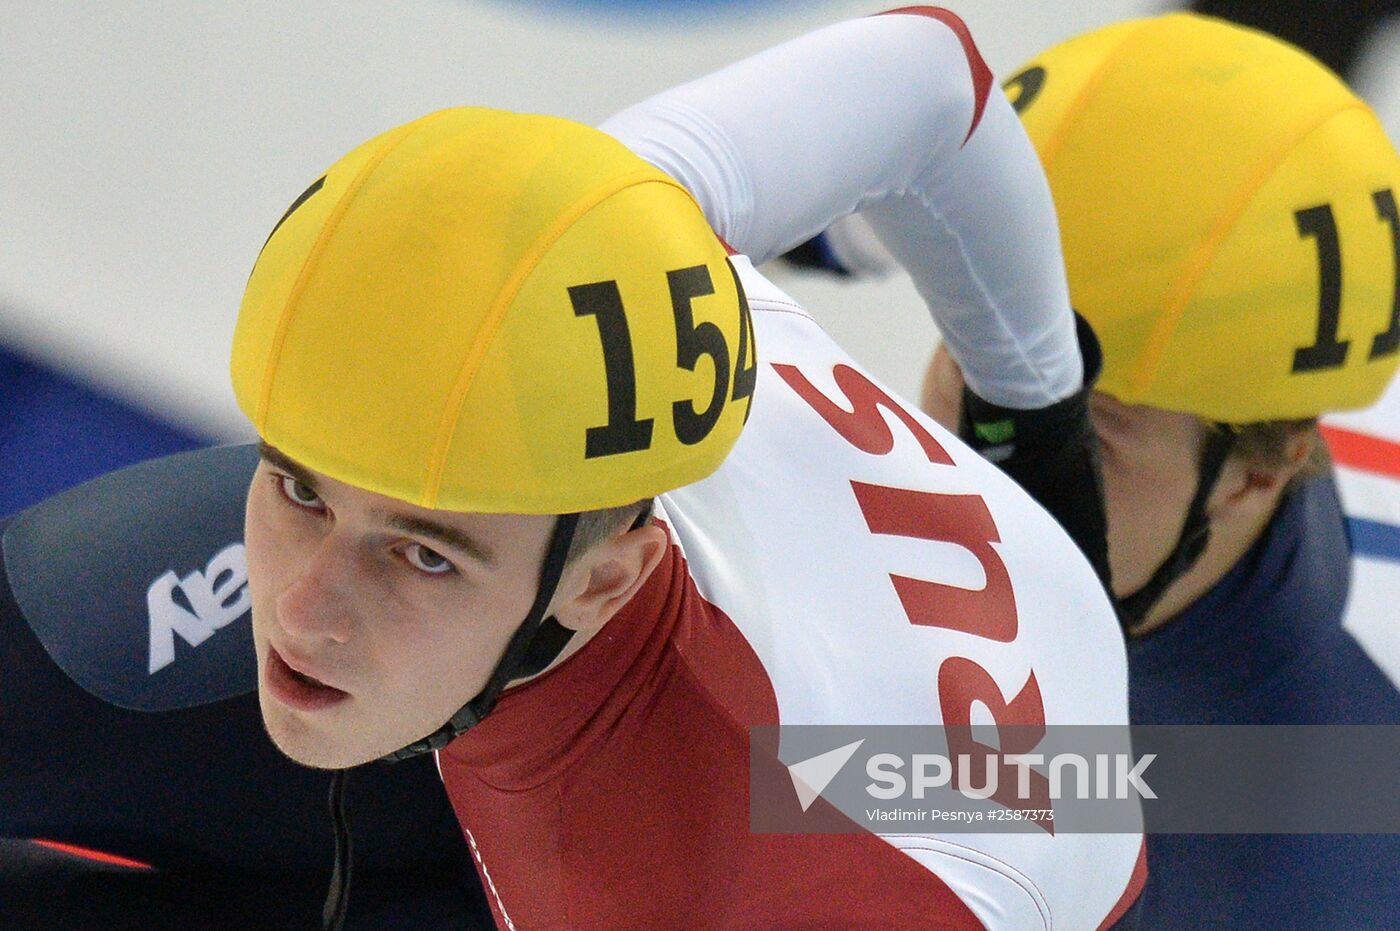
x=1051, y=452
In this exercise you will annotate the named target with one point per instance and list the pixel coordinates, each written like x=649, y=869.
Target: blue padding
x=1374, y=539
x=56, y=433
x=136, y=582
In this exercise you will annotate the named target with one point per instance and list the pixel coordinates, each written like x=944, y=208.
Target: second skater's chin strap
x=1195, y=533
x=533, y=646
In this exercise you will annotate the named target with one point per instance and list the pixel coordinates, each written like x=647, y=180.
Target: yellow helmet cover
x=1228, y=213
x=496, y=312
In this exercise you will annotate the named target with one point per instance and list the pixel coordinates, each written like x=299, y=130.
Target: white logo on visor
x=218, y=597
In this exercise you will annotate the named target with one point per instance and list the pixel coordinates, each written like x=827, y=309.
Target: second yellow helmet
x=1228, y=212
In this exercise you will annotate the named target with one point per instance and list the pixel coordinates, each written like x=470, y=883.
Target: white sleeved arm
x=896, y=116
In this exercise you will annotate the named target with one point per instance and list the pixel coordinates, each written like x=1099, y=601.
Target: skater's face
x=375, y=620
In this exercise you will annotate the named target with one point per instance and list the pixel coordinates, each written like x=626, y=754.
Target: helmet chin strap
x=1195, y=533
x=534, y=645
